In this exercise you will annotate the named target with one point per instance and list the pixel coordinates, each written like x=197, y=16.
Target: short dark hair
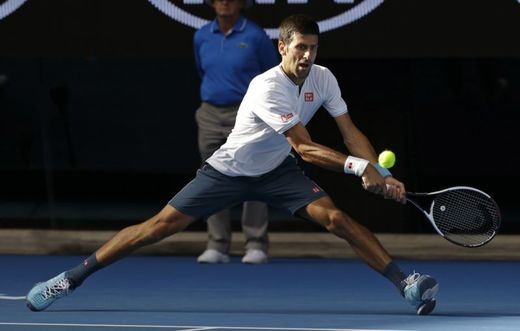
x=300, y=23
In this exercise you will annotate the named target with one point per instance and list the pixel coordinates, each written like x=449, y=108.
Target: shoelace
x=56, y=289
x=411, y=278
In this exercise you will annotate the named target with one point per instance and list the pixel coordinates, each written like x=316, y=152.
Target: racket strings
x=466, y=216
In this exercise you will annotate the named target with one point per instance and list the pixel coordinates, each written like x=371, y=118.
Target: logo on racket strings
x=334, y=13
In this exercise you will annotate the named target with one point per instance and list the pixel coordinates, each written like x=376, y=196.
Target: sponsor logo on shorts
x=309, y=96
x=316, y=189
x=286, y=117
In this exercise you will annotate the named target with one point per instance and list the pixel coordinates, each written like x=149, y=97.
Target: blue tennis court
x=176, y=293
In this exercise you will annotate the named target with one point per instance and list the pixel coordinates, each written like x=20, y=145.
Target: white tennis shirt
x=273, y=104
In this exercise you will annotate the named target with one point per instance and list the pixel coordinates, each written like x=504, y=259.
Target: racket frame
x=429, y=215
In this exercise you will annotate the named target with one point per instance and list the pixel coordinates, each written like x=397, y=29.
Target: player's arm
x=355, y=141
x=359, y=145
x=312, y=152
x=325, y=157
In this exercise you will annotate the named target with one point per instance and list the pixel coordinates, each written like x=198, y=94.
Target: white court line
x=7, y=297
x=192, y=327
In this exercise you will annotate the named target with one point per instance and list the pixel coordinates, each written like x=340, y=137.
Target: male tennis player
x=255, y=164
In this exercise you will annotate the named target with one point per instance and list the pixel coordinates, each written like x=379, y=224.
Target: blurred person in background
x=229, y=51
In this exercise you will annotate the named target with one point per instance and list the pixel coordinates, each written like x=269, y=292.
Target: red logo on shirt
x=309, y=96
x=286, y=117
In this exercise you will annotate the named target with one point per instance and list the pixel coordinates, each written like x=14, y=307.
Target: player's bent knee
x=337, y=221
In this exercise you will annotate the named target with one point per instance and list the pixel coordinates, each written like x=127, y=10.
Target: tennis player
x=255, y=164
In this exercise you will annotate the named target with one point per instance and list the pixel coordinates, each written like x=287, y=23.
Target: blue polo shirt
x=227, y=63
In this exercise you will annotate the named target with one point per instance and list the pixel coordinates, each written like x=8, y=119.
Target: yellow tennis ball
x=386, y=159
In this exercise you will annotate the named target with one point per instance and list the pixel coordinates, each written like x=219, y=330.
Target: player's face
x=298, y=56
x=227, y=7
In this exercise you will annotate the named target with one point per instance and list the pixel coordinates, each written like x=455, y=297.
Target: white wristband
x=355, y=165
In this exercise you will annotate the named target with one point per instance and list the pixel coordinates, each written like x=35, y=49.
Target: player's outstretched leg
x=420, y=292
x=162, y=225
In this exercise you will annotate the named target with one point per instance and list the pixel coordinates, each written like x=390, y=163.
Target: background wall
x=97, y=100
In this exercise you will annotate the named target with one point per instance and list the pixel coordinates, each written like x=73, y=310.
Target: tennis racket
x=462, y=215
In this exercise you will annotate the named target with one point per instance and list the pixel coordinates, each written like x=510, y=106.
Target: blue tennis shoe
x=420, y=291
x=42, y=295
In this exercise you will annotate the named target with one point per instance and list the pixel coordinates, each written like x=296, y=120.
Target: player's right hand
x=395, y=190
x=373, y=182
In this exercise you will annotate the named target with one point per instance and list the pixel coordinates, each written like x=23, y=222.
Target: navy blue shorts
x=285, y=187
